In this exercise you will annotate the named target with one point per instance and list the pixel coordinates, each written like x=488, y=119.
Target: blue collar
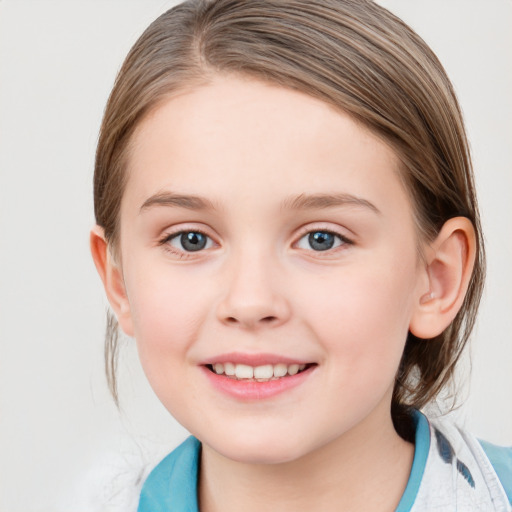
x=421, y=449
x=177, y=475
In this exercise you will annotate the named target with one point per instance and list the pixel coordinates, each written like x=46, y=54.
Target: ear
x=112, y=277
x=450, y=259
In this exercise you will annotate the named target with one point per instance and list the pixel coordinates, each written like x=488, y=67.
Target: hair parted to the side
x=352, y=54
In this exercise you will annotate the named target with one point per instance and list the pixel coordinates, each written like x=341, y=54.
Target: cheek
x=361, y=320
x=167, y=313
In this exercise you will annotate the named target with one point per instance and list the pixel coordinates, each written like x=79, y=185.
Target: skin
x=252, y=151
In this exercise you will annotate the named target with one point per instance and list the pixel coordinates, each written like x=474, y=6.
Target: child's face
x=299, y=247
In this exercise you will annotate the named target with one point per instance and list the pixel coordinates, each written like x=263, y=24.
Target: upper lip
x=259, y=359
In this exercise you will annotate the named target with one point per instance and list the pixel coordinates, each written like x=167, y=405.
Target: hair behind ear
x=444, y=316
x=110, y=277
x=112, y=354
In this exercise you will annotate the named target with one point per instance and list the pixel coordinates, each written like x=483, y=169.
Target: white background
x=61, y=438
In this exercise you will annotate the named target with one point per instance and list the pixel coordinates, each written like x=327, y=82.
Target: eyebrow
x=190, y=202
x=300, y=202
x=321, y=201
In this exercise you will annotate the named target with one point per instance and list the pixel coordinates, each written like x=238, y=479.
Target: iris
x=193, y=241
x=321, y=240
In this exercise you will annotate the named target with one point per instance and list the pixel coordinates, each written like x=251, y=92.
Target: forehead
x=245, y=137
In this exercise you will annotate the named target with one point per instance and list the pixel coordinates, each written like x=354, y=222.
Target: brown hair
x=352, y=54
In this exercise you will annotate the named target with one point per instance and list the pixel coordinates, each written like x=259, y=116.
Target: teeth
x=280, y=370
x=229, y=369
x=293, y=369
x=242, y=371
x=261, y=373
x=264, y=372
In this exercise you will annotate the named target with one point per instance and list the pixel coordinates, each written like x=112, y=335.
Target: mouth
x=261, y=373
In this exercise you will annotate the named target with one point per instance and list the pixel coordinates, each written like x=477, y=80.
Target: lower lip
x=253, y=390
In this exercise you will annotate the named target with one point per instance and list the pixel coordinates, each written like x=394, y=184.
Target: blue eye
x=190, y=241
x=320, y=241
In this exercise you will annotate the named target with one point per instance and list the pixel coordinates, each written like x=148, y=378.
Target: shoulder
x=172, y=484
x=462, y=466
x=501, y=461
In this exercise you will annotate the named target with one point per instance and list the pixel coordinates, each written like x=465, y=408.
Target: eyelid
x=175, y=231
x=321, y=227
x=312, y=227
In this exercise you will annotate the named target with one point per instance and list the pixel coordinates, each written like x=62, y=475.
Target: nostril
x=264, y=320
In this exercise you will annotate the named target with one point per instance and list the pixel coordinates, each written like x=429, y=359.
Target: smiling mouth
x=262, y=373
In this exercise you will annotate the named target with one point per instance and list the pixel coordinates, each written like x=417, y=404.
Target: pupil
x=321, y=240
x=192, y=241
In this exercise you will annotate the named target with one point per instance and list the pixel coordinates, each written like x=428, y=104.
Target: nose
x=254, y=296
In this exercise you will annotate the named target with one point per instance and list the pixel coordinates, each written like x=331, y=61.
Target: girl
x=287, y=226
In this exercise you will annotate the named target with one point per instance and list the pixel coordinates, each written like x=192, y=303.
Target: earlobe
x=449, y=265
x=112, y=278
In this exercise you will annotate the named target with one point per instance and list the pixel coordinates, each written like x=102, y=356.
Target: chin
x=260, y=455
x=255, y=448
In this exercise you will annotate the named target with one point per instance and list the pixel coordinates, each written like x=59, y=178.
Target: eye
x=321, y=240
x=189, y=241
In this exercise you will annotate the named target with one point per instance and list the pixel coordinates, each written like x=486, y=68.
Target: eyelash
x=183, y=254
x=344, y=241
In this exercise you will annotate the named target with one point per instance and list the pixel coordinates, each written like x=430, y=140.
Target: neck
x=364, y=469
